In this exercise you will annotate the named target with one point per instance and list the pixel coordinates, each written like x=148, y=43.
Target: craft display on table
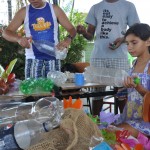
x=30, y=86
x=116, y=138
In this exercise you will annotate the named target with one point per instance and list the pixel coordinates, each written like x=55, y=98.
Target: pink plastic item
x=144, y=140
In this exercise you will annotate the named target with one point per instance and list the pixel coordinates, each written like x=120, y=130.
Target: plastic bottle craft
x=30, y=86
x=106, y=76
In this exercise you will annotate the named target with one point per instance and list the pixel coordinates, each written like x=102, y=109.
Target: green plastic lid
x=136, y=80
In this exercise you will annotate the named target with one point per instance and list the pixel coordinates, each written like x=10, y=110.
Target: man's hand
x=63, y=44
x=114, y=45
x=81, y=29
x=24, y=41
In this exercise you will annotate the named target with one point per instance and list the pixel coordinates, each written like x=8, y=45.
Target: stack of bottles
x=22, y=128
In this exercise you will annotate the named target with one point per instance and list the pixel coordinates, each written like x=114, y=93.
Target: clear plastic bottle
x=47, y=116
x=49, y=48
x=44, y=46
x=58, y=77
x=22, y=134
x=48, y=108
x=44, y=109
x=106, y=76
x=15, y=113
x=29, y=132
x=61, y=54
x=29, y=122
x=7, y=139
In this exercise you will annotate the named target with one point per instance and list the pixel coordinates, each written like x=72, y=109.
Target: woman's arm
x=129, y=83
x=141, y=89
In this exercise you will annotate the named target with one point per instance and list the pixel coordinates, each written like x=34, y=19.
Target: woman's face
x=136, y=46
x=37, y=3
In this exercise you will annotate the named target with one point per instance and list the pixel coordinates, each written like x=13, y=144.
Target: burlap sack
x=74, y=133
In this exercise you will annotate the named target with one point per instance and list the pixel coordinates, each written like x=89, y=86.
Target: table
x=86, y=93
x=64, y=91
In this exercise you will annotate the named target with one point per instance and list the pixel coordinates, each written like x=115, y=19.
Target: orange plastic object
x=77, y=104
x=125, y=146
x=146, y=107
x=65, y=103
x=118, y=147
x=68, y=103
x=139, y=147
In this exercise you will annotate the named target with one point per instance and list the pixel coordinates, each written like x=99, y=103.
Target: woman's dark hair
x=140, y=30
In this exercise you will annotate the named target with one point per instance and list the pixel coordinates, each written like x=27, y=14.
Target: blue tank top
x=41, y=24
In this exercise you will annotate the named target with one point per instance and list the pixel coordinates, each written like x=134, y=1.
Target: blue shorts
x=35, y=68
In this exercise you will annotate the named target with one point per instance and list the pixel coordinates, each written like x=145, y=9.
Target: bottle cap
x=136, y=80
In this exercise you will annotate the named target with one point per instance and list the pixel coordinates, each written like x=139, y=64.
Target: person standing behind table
x=40, y=20
x=109, y=20
x=137, y=39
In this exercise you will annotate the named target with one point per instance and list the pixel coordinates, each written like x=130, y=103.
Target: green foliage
x=79, y=43
x=10, y=51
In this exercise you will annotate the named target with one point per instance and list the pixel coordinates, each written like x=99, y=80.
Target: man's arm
x=64, y=21
x=10, y=32
x=89, y=33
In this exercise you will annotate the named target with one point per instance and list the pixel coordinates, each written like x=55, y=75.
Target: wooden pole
x=9, y=10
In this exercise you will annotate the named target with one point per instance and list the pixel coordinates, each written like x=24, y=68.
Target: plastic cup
x=79, y=79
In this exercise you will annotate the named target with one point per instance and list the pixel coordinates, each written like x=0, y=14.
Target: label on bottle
x=7, y=139
x=47, y=126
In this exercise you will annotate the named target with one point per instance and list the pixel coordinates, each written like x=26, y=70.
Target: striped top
x=41, y=24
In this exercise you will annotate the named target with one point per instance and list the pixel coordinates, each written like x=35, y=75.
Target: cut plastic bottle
x=107, y=76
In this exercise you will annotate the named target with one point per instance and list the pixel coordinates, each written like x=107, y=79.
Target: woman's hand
x=129, y=82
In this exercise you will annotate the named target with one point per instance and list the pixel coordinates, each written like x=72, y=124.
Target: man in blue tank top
x=40, y=21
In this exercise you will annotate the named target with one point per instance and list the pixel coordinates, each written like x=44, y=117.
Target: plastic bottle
x=22, y=134
x=16, y=113
x=106, y=76
x=49, y=48
x=61, y=54
x=59, y=78
x=29, y=132
x=47, y=108
x=48, y=112
x=29, y=122
x=7, y=139
x=44, y=46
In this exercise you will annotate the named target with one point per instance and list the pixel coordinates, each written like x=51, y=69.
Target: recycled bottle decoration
x=6, y=77
x=30, y=86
